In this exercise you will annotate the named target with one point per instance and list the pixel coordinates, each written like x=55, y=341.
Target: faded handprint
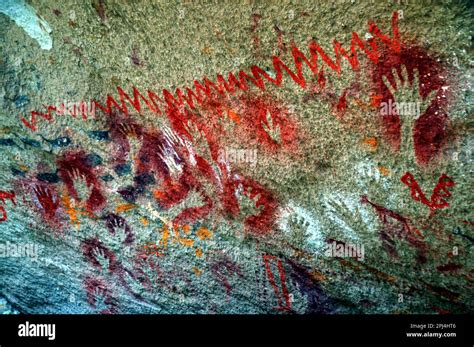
x=98, y=255
x=349, y=217
x=299, y=228
x=248, y=203
x=135, y=146
x=199, y=141
x=128, y=129
x=134, y=135
x=82, y=187
x=99, y=295
x=144, y=279
x=272, y=130
x=122, y=236
x=101, y=258
x=408, y=99
x=101, y=301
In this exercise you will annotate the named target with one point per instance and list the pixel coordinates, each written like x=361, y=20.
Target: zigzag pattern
x=206, y=88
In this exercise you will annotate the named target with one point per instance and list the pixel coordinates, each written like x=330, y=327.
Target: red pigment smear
x=100, y=8
x=442, y=291
x=441, y=310
x=173, y=192
x=4, y=214
x=254, y=112
x=92, y=247
x=429, y=132
x=342, y=105
x=6, y=195
x=280, y=33
x=256, y=41
x=284, y=291
x=370, y=48
x=339, y=103
x=96, y=288
x=228, y=197
x=315, y=88
x=152, y=249
x=76, y=161
x=192, y=214
x=450, y=267
x=439, y=192
x=404, y=232
x=134, y=57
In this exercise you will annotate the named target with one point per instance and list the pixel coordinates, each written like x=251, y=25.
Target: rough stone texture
x=26, y=18
x=230, y=205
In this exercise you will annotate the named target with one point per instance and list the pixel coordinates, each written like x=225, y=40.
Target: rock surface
x=294, y=195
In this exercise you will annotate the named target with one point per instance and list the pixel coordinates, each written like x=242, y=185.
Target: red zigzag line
x=368, y=47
